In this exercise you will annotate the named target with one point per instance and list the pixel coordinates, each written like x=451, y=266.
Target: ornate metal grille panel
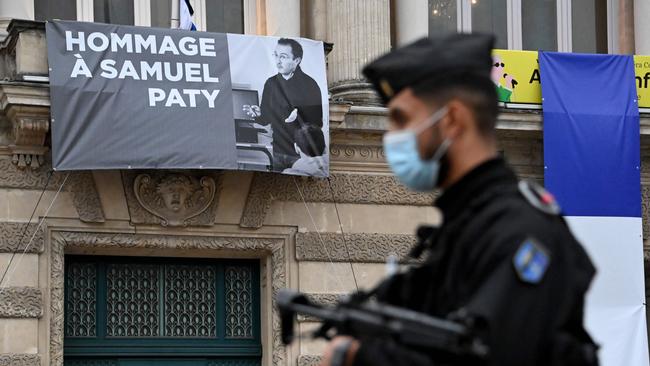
x=239, y=304
x=81, y=317
x=165, y=310
x=82, y=362
x=132, y=300
x=190, y=301
x=234, y=363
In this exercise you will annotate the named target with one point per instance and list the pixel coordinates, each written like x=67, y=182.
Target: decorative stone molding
x=345, y=188
x=309, y=360
x=85, y=196
x=187, y=198
x=21, y=302
x=353, y=247
x=324, y=298
x=12, y=232
x=30, y=126
x=12, y=177
x=273, y=247
x=15, y=359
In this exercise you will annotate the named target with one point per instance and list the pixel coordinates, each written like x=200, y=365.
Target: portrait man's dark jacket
x=471, y=265
x=280, y=97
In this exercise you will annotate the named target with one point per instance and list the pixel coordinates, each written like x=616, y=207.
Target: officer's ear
x=454, y=123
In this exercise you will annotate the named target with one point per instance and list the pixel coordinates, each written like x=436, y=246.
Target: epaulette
x=539, y=197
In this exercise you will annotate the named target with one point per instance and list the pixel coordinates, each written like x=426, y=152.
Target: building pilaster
x=360, y=31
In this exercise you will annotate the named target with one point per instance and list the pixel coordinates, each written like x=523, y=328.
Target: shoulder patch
x=539, y=197
x=531, y=261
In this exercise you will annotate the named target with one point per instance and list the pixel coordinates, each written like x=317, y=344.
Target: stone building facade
x=324, y=237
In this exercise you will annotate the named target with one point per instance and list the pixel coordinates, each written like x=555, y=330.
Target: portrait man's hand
x=292, y=117
x=252, y=110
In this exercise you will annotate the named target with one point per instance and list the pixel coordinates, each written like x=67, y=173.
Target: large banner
x=592, y=165
x=516, y=74
x=126, y=97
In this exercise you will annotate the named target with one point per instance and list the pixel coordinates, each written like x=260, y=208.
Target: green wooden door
x=127, y=311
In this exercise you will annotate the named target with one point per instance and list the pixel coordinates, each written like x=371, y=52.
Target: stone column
x=411, y=20
x=360, y=31
x=282, y=18
x=642, y=27
x=316, y=22
x=626, y=26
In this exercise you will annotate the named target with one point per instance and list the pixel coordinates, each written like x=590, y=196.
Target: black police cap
x=428, y=59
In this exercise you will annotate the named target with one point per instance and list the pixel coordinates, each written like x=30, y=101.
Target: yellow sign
x=516, y=76
x=642, y=71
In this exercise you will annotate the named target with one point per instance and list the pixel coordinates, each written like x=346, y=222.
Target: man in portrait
x=291, y=100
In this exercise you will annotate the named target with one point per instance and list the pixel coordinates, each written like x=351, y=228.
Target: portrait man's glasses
x=282, y=56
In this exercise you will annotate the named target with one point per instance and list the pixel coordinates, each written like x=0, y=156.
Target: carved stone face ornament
x=174, y=198
x=174, y=191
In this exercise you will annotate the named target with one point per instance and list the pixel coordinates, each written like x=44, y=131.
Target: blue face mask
x=401, y=149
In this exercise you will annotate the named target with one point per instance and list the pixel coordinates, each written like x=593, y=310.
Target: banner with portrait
x=125, y=97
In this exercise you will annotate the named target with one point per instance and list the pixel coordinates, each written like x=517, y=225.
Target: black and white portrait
x=280, y=105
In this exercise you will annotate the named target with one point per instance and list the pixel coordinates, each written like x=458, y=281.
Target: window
x=113, y=11
x=442, y=17
x=55, y=9
x=589, y=25
x=225, y=16
x=493, y=19
x=570, y=26
x=161, y=13
x=146, y=311
x=539, y=25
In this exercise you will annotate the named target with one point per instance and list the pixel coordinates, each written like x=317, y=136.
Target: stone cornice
x=24, y=94
x=352, y=247
x=21, y=302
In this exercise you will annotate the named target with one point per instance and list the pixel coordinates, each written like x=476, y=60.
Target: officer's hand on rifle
x=340, y=351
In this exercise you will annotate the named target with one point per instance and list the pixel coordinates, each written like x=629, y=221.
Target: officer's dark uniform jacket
x=486, y=220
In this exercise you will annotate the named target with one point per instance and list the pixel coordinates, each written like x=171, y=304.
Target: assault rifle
x=362, y=318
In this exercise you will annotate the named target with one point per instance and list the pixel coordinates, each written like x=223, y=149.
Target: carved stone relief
x=272, y=247
x=12, y=177
x=85, y=197
x=353, y=247
x=309, y=360
x=13, y=232
x=81, y=184
x=172, y=199
x=345, y=188
x=21, y=302
x=12, y=359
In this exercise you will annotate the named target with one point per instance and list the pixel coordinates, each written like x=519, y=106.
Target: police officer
x=503, y=254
